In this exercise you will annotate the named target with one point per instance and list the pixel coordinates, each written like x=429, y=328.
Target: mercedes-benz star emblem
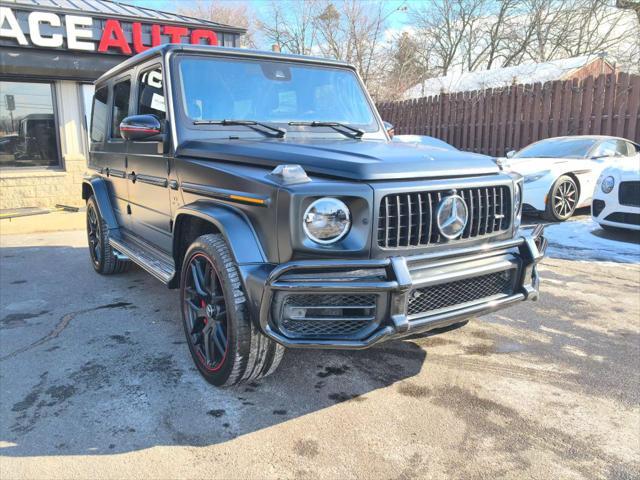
x=452, y=216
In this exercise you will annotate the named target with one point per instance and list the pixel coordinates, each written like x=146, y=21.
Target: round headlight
x=326, y=220
x=607, y=184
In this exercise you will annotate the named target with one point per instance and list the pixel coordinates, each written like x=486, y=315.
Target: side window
x=606, y=149
x=151, y=94
x=120, y=106
x=99, y=115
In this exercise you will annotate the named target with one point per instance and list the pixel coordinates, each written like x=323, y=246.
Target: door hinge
x=129, y=209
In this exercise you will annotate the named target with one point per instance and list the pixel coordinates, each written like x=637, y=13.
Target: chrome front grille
x=428, y=299
x=409, y=219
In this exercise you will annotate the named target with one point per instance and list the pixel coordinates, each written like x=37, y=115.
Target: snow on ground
x=583, y=239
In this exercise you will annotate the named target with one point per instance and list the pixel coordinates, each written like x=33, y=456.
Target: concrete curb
x=49, y=222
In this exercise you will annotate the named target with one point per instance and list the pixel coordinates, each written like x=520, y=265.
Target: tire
x=102, y=256
x=562, y=199
x=224, y=342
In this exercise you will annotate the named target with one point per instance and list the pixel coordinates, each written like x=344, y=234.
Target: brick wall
x=49, y=187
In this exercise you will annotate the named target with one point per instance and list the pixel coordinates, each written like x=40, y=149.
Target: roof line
x=127, y=15
x=192, y=19
x=219, y=52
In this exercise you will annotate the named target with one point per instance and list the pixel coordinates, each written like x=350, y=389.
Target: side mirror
x=141, y=128
x=511, y=153
x=389, y=128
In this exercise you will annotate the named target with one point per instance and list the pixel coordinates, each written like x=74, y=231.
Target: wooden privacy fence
x=494, y=121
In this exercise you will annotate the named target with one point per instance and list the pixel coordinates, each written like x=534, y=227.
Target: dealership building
x=50, y=53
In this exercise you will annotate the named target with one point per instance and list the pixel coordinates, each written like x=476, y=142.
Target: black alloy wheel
x=226, y=345
x=562, y=199
x=205, y=313
x=93, y=234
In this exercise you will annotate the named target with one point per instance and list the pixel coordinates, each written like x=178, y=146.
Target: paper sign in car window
x=157, y=102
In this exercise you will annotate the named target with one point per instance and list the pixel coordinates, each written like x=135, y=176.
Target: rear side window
x=631, y=148
x=151, y=94
x=621, y=148
x=99, y=115
x=121, y=93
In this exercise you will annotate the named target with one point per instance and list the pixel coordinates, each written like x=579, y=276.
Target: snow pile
x=583, y=239
x=527, y=73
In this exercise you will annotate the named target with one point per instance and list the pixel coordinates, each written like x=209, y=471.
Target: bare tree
x=291, y=25
x=481, y=34
x=227, y=12
x=405, y=67
x=354, y=34
x=445, y=26
x=348, y=30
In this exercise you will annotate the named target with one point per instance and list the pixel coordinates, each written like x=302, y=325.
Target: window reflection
x=27, y=125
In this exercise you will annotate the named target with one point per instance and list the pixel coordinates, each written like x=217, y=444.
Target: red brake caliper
x=202, y=305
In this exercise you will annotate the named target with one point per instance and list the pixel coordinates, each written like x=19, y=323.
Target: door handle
x=132, y=176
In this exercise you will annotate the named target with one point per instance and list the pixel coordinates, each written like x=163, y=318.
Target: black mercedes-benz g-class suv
x=266, y=188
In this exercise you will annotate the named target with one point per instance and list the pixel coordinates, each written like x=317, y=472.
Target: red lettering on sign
x=208, y=35
x=113, y=37
x=155, y=35
x=176, y=33
x=138, y=46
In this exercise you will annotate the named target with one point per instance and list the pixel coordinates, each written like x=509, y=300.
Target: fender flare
x=232, y=224
x=100, y=191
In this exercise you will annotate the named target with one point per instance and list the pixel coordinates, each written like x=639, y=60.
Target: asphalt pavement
x=96, y=382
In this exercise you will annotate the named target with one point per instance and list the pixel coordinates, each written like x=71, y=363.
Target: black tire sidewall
x=236, y=314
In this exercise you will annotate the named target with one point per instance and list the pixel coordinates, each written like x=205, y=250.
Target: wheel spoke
x=197, y=325
x=193, y=306
x=220, y=339
x=195, y=274
x=207, y=344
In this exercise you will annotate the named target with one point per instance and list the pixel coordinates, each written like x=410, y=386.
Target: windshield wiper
x=356, y=132
x=279, y=132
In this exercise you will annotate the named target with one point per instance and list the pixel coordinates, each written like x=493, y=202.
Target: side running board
x=156, y=263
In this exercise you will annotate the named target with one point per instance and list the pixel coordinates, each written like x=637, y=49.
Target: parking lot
x=97, y=382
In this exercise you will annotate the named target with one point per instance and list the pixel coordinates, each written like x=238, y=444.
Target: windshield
x=267, y=91
x=558, y=148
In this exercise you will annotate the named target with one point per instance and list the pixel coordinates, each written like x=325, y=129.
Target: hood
x=352, y=159
x=526, y=166
x=626, y=169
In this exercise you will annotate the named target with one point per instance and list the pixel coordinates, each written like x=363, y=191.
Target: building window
x=121, y=92
x=27, y=125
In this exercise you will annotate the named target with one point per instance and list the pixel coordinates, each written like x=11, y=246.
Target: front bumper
x=398, y=282
x=607, y=210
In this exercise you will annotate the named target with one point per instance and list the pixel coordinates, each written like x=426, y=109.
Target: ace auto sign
x=46, y=29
